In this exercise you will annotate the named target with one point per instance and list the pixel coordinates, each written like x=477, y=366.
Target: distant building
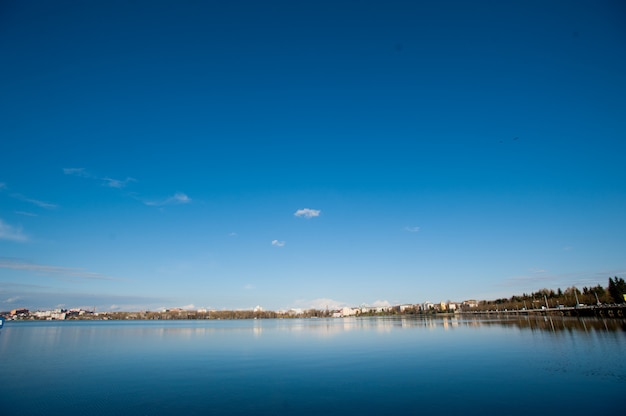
x=57, y=314
x=346, y=311
x=16, y=312
x=427, y=306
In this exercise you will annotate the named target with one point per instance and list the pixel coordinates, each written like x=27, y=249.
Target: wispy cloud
x=20, y=197
x=176, y=199
x=12, y=299
x=11, y=233
x=248, y=287
x=233, y=234
x=307, y=213
x=116, y=183
x=412, y=229
x=278, y=243
x=31, y=297
x=77, y=172
x=55, y=271
x=25, y=213
x=105, y=180
x=41, y=204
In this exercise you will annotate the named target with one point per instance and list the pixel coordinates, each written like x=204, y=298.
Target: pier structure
x=604, y=311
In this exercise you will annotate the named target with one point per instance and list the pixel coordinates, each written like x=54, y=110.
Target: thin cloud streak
x=277, y=243
x=178, y=198
x=50, y=299
x=25, y=213
x=412, y=229
x=41, y=204
x=20, y=197
x=81, y=172
x=13, y=264
x=106, y=181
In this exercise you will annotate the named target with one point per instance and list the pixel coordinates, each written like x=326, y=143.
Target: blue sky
x=304, y=154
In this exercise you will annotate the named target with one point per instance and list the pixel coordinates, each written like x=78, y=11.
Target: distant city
x=609, y=301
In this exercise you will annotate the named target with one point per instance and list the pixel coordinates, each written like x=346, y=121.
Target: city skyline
x=304, y=155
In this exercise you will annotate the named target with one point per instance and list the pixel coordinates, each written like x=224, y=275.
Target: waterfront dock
x=604, y=311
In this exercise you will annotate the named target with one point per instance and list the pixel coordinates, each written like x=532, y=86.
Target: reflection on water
x=558, y=324
x=89, y=332
x=50, y=331
x=313, y=366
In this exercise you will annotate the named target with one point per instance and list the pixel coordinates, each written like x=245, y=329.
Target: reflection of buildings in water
x=450, y=322
x=257, y=329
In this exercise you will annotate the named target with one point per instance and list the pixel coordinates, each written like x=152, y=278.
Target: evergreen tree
x=617, y=289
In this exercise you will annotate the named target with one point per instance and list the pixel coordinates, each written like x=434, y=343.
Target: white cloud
x=381, y=303
x=248, y=287
x=177, y=198
x=181, y=198
x=412, y=229
x=307, y=213
x=11, y=233
x=233, y=234
x=320, y=303
x=7, y=263
x=13, y=299
x=278, y=243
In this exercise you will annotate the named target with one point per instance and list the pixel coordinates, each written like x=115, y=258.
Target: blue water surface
x=366, y=366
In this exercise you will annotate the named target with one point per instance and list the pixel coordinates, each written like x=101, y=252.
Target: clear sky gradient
x=228, y=154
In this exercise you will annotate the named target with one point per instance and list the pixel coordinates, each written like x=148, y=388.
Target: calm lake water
x=362, y=366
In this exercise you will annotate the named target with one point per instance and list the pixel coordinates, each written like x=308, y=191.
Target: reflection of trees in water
x=531, y=322
x=559, y=323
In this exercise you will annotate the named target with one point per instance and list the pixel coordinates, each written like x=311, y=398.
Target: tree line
x=570, y=297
